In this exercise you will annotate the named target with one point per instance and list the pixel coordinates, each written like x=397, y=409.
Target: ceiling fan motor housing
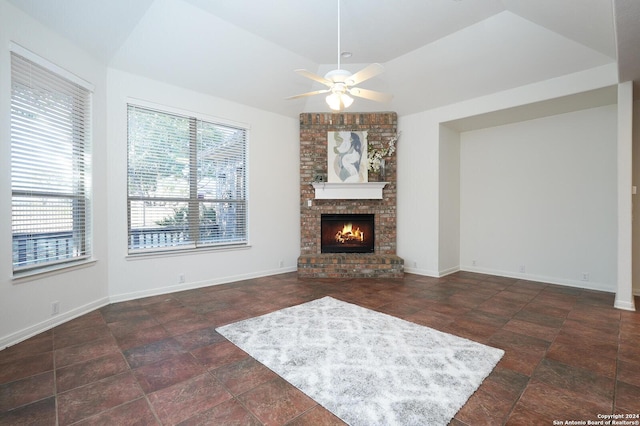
x=339, y=76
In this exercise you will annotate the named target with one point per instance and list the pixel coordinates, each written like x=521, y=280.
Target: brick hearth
x=349, y=265
x=383, y=263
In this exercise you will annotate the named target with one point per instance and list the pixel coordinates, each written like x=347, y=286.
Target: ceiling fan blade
x=316, y=92
x=370, y=94
x=315, y=77
x=365, y=74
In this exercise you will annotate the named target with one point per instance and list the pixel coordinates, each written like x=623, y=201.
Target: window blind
x=186, y=182
x=50, y=167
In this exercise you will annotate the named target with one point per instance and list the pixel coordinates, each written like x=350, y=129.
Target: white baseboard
x=431, y=273
x=196, y=284
x=588, y=285
x=35, y=329
x=21, y=335
x=423, y=272
x=448, y=271
x=24, y=334
x=529, y=277
x=627, y=306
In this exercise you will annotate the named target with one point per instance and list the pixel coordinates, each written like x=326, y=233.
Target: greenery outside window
x=50, y=164
x=186, y=182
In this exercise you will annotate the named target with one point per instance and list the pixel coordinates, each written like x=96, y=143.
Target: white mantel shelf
x=349, y=191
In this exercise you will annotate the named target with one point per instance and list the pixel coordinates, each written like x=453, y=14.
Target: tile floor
x=569, y=354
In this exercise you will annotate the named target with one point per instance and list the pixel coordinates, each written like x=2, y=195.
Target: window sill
x=46, y=271
x=184, y=252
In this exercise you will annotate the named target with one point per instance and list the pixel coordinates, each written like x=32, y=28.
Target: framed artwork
x=347, y=157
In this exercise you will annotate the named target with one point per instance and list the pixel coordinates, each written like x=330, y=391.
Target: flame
x=349, y=234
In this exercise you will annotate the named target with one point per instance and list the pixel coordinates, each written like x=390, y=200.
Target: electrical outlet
x=181, y=279
x=55, y=308
x=282, y=263
x=584, y=276
x=522, y=269
x=473, y=263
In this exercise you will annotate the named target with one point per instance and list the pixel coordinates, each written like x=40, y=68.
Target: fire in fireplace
x=347, y=233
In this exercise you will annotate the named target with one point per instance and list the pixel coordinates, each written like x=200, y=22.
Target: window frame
x=54, y=81
x=193, y=199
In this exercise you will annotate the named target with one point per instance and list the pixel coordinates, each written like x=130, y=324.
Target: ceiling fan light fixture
x=333, y=100
x=339, y=101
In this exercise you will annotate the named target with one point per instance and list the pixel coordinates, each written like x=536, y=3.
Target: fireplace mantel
x=349, y=191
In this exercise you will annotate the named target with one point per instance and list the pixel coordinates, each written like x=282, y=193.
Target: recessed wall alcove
x=383, y=261
x=511, y=196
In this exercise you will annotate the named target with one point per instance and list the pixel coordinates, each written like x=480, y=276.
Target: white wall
x=624, y=159
x=274, y=209
x=636, y=198
x=417, y=224
x=427, y=233
x=541, y=195
x=449, y=201
x=25, y=305
x=427, y=166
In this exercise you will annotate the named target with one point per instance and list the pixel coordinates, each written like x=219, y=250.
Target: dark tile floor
x=569, y=354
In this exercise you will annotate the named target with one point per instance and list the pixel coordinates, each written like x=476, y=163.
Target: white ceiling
x=435, y=52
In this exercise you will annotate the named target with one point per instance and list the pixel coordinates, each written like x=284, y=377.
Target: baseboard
x=423, y=272
x=43, y=326
x=196, y=284
x=588, y=285
x=431, y=273
x=448, y=271
x=627, y=306
x=35, y=329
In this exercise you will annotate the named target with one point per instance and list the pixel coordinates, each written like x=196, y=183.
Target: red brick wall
x=381, y=128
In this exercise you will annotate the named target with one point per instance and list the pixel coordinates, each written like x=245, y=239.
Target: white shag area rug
x=366, y=367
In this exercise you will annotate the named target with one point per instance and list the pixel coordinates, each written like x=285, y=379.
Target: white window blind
x=186, y=182
x=50, y=167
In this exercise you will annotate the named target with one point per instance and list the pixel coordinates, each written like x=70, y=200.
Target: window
x=186, y=182
x=50, y=165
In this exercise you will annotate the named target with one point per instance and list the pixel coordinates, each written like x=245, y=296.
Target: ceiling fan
x=341, y=83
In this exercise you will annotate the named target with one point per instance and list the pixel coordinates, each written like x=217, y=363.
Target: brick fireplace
x=383, y=261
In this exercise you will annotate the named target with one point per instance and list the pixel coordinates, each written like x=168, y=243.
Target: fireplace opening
x=347, y=233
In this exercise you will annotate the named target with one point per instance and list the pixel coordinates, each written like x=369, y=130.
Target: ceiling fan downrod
x=339, y=26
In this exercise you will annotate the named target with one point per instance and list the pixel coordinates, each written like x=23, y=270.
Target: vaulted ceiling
x=435, y=52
